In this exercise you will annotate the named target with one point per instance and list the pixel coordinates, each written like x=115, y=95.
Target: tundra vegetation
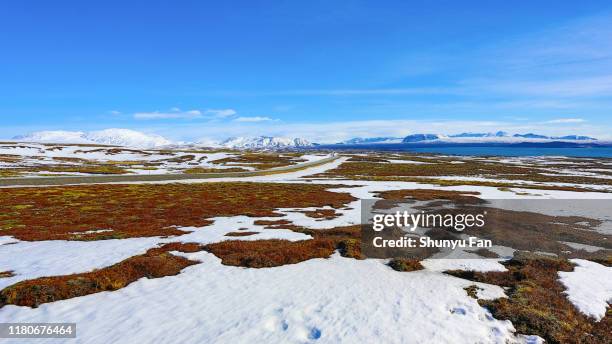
x=536, y=303
x=141, y=210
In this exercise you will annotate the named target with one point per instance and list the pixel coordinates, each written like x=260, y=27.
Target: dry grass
x=240, y=234
x=536, y=303
x=6, y=274
x=404, y=264
x=483, y=252
x=114, y=151
x=261, y=161
x=155, y=263
x=103, y=169
x=213, y=170
x=470, y=168
x=468, y=197
x=327, y=214
x=141, y=210
x=472, y=291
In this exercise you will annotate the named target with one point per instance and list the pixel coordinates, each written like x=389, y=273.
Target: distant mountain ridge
x=382, y=139
x=500, y=136
x=264, y=142
x=497, y=134
x=132, y=138
x=113, y=137
x=136, y=139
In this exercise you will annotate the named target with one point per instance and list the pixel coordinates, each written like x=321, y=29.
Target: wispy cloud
x=254, y=119
x=174, y=113
x=177, y=113
x=566, y=120
x=220, y=113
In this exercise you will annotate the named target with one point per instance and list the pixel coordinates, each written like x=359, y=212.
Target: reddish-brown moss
x=274, y=252
x=139, y=210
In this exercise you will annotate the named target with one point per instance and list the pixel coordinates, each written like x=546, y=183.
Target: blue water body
x=552, y=149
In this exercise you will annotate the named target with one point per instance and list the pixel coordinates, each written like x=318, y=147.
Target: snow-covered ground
x=322, y=300
x=39, y=159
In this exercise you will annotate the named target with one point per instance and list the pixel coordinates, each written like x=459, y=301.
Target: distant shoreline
x=555, y=148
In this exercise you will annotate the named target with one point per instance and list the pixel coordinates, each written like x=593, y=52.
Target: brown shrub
x=269, y=253
x=472, y=291
x=155, y=263
x=327, y=214
x=274, y=252
x=404, y=264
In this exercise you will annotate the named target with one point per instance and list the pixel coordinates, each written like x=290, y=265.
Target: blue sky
x=325, y=70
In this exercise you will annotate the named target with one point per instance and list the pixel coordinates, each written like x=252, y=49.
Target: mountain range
x=500, y=137
x=262, y=142
x=132, y=138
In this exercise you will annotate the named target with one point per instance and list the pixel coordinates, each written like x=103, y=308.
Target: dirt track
x=61, y=180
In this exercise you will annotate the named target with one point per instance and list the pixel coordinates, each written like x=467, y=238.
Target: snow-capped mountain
x=126, y=137
x=531, y=136
x=497, y=134
x=264, y=142
x=421, y=137
x=53, y=136
x=498, y=137
x=114, y=137
x=361, y=140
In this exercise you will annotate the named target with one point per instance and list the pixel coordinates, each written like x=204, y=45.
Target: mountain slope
x=53, y=136
x=126, y=137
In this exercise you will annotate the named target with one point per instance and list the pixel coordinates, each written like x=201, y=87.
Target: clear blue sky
x=190, y=69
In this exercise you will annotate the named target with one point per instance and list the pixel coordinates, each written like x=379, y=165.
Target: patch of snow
x=589, y=287
x=481, y=264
